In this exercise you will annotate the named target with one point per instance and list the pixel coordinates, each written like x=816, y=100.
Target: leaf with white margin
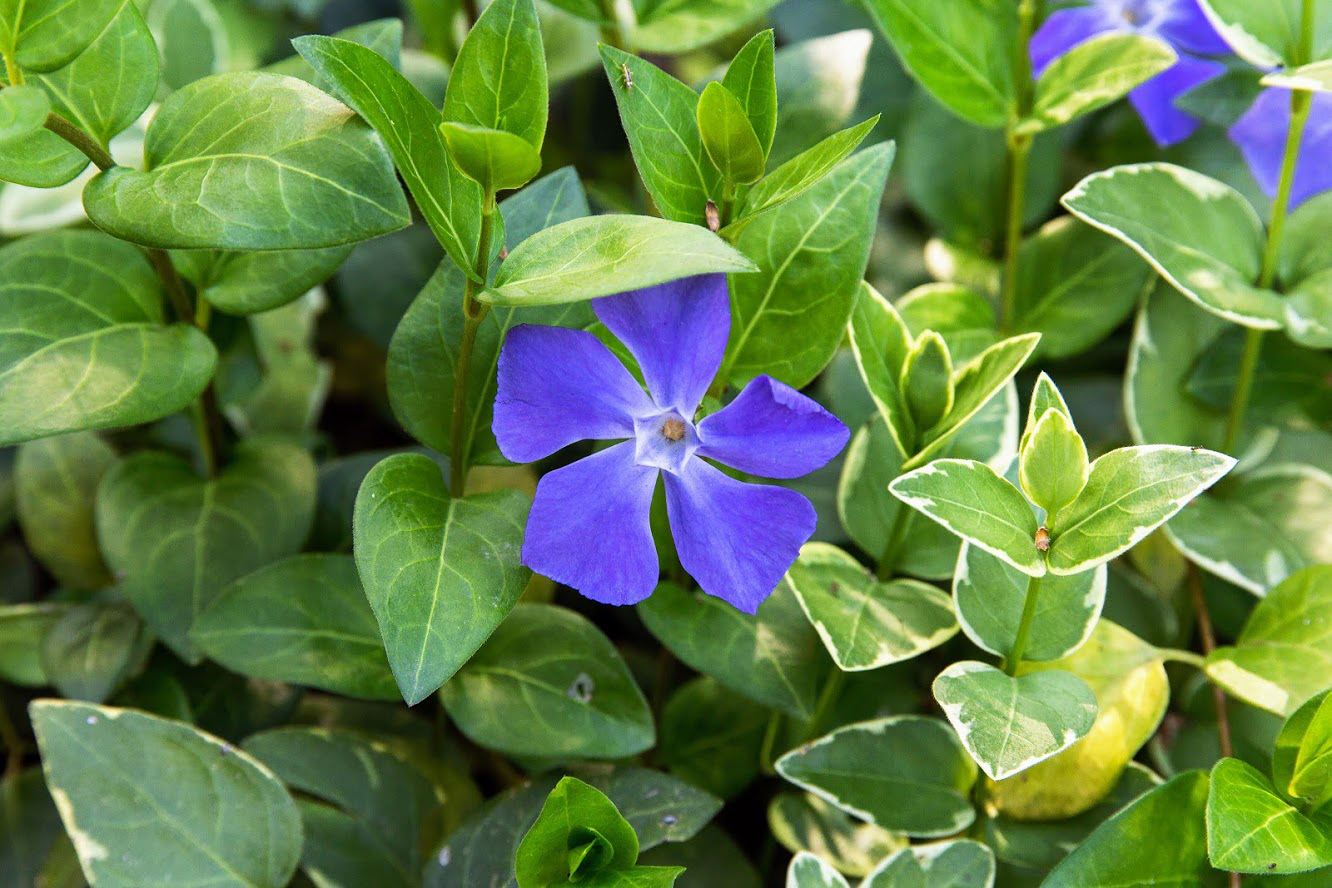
x=990, y=595
x=1283, y=655
x=801, y=821
x=808, y=871
x=1265, y=34
x=1129, y=493
x=880, y=342
x=1092, y=74
x=1009, y=724
x=962, y=863
x=1309, y=311
x=1314, y=77
x=977, y=504
x=1251, y=829
x=1200, y=234
x=1263, y=527
x=905, y=773
x=866, y=623
x=143, y=796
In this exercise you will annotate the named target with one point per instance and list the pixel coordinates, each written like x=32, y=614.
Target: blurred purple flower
x=589, y=525
x=1261, y=132
x=1180, y=23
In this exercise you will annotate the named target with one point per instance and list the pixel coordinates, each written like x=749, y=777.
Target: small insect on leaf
x=1042, y=539
x=628, y=80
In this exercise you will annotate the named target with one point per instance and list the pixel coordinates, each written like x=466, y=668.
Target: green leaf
x=1302, y=757
x=926, y=381
x=976, y=503
x=751, y=79
x=1075, y=286
x=408, y=124
x=441, y=572
x=1250, y=829
x=1053, y=469
x=711, y=736
x=819, y=243
x=178, y=539
x=1283, y=656
x=1309, y=311
x=23, y=627
x=818, y=88
x=553, y=675
x=498, y=81
x=1261, y=528
x=90, y=650
x=29, y=827
x=773, y=656
x=383, y=37
x=55, y=483
x=248, y=283
x=130, y=784
x=990, y=596
x=23, y=111
x=422, y=358
x=1092, y=74
x=728, y=136
x=496, y=159
x=959, y=51
x=304, y=620
x=192, y=38
x=802, y=171
x=674, y=26
x=1314, y=77
x=905, y=773
x=1201, y=235
x=962, y=317
x=578, y=834
x=880, y=342
x=659, y=117
x=1009, y=724
x=808, y=871
x=865, y=623
x=1129, y=844
x=954, y=864
x=600, y=255
x=1266, y=35
x=103, y=359
x=1129, y=493
x=93, y=90
x=40, y=160
x=801, y=821
x=42, y=35
x=251, y=161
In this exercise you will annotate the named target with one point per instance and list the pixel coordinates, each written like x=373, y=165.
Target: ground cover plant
x=633, y=443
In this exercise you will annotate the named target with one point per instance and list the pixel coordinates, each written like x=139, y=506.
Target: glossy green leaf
x=422, y=362
x=498, y=81
x=865, y=623
x=252, y=282
x=801, y=821
x=193, y=40
x=926, y=380
x=1314, y=77
x=1201, y=235
x=954, y=864
x=905, y=773
x=1053, y=468
x=1302, y=756
x=1283, y=656
x=129, y=785
x=809, y=871
x=23, y=111
x=990, y=595
x=304, y=620
x=728, y=135
x=1009, y=724
x=976, y=503
x=659, y=116
x=90, y=650
x=578, y=835
x=55, y=483
x=677, y=25
x=751, y=79
x=1129, y=493
x=382, y=36
x=23, y=627
x=179, y=539
x=773, y=656
x=1092, y=74
x=1129, y=844
x=711, y=736
x=408, y=124
x=441, y=572
x=104, y=359
x=1251, y=829
x=600, y=255
x=42, y=35
x=963, y=318
x=497, y=160
x=1309, y=311
x=1266, y=35
x=819, y=84
x=818, y=244
x=803, y=171
x=959, y=51
x=251, y=161
x=40, y=159
x=553, y=671
x=880, y=341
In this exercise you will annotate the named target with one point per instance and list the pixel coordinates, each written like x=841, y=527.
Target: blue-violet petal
x=772, y=430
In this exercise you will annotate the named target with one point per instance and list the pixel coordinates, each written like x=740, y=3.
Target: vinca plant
x=645, y=443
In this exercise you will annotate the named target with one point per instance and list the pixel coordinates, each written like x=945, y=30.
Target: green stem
x=1014, y=658
x=832, y=689
x=80, y=140
x=13, y=73
x=611, y=32
x=728, y=202
x=1019, y=146
x=474, y=312
x=896, y=536
x=769, y=742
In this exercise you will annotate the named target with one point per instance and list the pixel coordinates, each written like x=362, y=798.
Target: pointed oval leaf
x=441, y=572
x=252, y=161
x=55, y=484
x=498, y=80
x=802, y=821
x=1251, y=829
x=728, y=136
x=1053, y=467
x=1302, y=756
x=42, y=35
x=802, y=171
x=245, y=283
x=954, y=864
x=88, y=651
x=129, y=785
x=927, y=380
x=751, y=79
x=1009, y=724
x=880, y=342
x=552, y=671
x=1092, y=74
x=496, y=159
x=1266, y=35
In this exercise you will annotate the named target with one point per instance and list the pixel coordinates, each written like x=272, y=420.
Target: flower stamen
x=673, y=429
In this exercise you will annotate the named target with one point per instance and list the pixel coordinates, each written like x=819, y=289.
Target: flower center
x=664, y=440
x=673, y=429
x=1143, y=14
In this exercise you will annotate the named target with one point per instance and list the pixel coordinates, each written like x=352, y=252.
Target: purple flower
x=1180, y=23
x=1261, y=132
x=589, y=525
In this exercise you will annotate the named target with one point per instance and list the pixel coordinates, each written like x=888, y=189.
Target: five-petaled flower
x=589, y=525
x=1180, y=23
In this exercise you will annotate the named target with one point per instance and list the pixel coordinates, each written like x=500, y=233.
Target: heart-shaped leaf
x=441, y=572
x=1009, y=724
x=177, y=539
